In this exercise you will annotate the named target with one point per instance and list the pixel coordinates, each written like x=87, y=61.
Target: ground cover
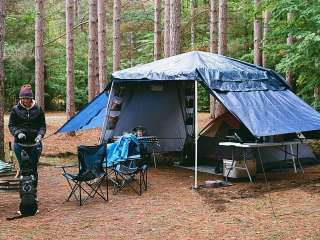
x=170, y=209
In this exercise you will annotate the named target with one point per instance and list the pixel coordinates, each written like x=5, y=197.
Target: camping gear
x=127, y=169
x=257, y=97
x=90, y=176
x=28, y=187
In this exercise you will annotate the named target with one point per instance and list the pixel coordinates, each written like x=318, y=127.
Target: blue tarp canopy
x=91, y=116
x=258, y=97
x=216, y=71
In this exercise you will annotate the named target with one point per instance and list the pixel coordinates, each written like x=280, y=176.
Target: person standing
x=28, y=126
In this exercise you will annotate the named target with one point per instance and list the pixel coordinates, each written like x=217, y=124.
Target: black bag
x=28, y=205
x=28, y=193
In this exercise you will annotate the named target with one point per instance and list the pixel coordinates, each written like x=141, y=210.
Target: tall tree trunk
x=192, y=25
x=213, y=44
x=92, y=50
x=102, y=44
x=222, y=44
x=116, y=35
x=217, y=108
x=157, y=30
x=2, y=33
x=166, y=44
x=39, y=53
x=257, y=35
x=266, y=29
x=70, y=109
x=175, y=24
x=290, y=41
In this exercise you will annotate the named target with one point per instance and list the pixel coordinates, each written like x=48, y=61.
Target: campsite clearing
x=170, y=209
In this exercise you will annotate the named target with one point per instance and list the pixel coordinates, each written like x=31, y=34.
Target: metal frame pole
x=195, y=134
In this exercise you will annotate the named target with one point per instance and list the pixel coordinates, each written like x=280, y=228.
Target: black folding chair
x=126, y=171
x=90, y=176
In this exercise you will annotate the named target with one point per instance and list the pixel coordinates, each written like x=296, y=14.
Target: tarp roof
x=216, y=71
x=91, y=116
x=258, y=97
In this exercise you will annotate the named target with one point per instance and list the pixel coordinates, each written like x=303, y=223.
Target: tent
x=160, y=96
x=217, y=130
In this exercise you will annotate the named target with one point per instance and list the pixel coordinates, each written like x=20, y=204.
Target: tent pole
x=195, y=135
x=104, y=126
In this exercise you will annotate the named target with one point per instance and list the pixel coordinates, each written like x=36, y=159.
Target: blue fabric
x=267, y=113
x=258, y=97
x=125, y=146
x=215, y=71
x=91, y=116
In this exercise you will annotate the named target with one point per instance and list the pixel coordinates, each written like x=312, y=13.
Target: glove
x=21, y=136
x=38, y=138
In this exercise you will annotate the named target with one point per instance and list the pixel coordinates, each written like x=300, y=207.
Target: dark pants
x=31, y=166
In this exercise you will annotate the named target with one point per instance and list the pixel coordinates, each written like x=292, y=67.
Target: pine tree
x=2, y=33
x=39, y=53
x=157, y=30
x=116, y=35
x=70, y=108
x=102, y=44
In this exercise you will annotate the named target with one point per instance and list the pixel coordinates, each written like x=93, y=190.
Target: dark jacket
x=31, y=122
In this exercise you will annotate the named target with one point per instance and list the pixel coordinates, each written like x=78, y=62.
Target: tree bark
x=39, y=53
x=116, y=35
x=216, y=108
x=257, y=35
x=166, y=44
x=102, y=44
x=70, y=108
x=175, y=24
x=157, y=30
x=222, y=44
x=266, y=30
x=92, y=50
x=213, y=45
x=290, y=40
x=2, y=34
x=192, y=25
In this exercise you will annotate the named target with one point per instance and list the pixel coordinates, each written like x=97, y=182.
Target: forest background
x=137, y=27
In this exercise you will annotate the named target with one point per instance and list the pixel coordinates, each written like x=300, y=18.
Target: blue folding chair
x=91, y=174
x=125, y=170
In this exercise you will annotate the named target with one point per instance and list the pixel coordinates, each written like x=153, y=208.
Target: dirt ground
x=170, y=208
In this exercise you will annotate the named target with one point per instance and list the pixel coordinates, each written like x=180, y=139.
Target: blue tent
x=91, y=116
x=258, y=97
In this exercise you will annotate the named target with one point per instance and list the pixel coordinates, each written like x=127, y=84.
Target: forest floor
x=170, y=208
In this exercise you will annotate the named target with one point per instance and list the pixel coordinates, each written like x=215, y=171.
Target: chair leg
x=146, y=187
x=80, y=193
x=140, y=182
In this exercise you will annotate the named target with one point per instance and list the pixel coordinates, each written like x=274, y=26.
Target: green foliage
x=303, y=56
x=137, y=43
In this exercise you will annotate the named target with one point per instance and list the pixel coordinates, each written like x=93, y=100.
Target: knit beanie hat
x=26, y=91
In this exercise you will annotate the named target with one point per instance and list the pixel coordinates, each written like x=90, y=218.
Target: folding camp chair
x=127, y=169
x=90, y=176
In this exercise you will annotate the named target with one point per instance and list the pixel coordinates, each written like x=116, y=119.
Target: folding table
x=282, y=145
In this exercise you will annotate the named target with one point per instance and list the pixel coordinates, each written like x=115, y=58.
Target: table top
x=266, y=144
